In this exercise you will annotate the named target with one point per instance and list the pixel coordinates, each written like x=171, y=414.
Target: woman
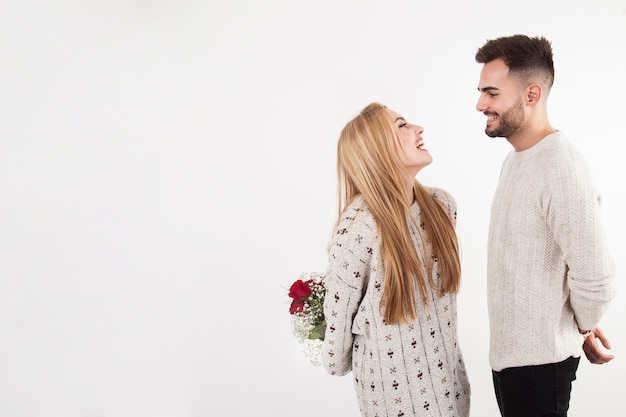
x=394, y=271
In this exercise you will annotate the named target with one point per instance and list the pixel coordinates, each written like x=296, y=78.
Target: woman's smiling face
x=413, y=155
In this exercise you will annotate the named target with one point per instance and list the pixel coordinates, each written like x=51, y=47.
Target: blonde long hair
x=368, y=164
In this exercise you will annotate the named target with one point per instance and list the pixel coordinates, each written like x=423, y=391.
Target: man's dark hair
x=530, y=59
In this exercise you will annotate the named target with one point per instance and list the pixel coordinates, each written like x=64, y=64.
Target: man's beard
x=508, y=122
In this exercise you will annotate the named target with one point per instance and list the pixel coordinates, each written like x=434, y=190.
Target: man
x=550, y=274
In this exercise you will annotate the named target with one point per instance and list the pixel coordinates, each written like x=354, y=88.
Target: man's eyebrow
x=484, y=89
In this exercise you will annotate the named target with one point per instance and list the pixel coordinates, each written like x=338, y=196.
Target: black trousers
x=535, y=391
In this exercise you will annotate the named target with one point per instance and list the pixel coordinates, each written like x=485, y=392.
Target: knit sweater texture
x=411, y=369
x=549, y=268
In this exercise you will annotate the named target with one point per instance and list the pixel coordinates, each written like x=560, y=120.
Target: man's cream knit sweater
x=549, y=269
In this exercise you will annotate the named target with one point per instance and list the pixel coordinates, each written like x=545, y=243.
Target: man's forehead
x=494, y=74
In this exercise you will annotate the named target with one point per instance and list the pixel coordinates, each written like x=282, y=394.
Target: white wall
x=167, y=170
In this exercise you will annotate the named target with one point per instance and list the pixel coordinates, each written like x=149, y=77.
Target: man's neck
x=530, y=136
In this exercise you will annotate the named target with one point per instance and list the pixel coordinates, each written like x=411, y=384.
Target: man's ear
x=533, y=94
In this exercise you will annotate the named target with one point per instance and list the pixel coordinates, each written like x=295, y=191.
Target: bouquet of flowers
x=307, y=314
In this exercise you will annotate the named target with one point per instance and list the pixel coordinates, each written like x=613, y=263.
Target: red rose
x=299, y=290
x=296, y=306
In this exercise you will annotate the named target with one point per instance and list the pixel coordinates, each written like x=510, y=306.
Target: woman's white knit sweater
x=410, y=369
x=549, y=269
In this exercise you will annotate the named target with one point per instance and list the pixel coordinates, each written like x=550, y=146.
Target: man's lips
x=491, y=117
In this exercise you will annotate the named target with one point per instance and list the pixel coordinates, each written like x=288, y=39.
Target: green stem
x=317, y=303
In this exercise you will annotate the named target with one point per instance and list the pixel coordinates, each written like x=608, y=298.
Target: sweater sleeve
x=350, y=254
x=574, y=216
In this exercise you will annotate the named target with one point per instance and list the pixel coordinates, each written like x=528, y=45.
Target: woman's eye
x=403, y=125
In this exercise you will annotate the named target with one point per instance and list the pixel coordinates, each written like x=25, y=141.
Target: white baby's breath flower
x=307, y=314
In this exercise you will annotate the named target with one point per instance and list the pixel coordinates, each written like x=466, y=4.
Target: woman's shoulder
x=355, y=232
x=357, y=212
x=443, y=197
x=356, y=220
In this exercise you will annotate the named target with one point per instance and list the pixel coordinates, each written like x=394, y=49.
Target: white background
x=167, y=170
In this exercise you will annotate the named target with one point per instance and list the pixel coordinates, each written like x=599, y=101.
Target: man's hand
x=594, y=353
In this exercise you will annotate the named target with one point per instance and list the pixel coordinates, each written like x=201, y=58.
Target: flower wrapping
x=307, y=314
